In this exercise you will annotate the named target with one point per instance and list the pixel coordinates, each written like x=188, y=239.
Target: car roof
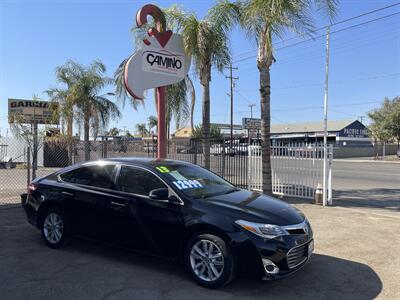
x=144, y=161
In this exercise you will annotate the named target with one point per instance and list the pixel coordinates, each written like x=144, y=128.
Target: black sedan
x=175, y=210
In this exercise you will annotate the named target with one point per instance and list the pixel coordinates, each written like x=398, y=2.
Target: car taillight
x=31, y=188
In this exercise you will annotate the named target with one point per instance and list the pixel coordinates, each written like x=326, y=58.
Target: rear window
x=93, y=175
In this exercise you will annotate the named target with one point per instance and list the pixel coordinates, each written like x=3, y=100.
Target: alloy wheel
x=53, y=228
x=206, y=260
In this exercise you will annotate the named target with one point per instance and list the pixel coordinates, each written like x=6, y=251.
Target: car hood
x=257, y=207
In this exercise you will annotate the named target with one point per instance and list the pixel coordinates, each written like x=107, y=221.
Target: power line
x=335, y=82
x=336, y=23
x=323, y=35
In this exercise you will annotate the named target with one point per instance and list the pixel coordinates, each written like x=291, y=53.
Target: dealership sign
x=32, y=111
x=160, y=61
x=251, y=123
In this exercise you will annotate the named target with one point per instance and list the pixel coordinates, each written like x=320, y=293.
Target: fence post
x=28, y=165
x=223, y=158
x=330, y=175
x=194, y=141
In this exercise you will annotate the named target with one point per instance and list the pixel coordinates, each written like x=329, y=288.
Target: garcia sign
x=163, y=62
x=32, y=111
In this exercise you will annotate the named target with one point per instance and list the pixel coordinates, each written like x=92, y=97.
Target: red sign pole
x=162, y=132
x=162, y=36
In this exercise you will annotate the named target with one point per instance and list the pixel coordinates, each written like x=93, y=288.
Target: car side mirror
x=159, y=194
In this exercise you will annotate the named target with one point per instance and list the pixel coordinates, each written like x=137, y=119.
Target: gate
x=297, y=169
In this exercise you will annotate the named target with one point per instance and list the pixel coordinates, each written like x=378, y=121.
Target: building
x=340, y=133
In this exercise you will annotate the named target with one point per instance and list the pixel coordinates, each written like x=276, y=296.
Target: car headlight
x=268, y=231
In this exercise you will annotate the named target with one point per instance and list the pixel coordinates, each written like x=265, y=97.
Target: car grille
x=297, y=255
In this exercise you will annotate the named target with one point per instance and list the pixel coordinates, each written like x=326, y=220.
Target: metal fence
x=296, y=169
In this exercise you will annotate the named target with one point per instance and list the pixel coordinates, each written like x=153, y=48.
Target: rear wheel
x=53, y=228
x=209, y=260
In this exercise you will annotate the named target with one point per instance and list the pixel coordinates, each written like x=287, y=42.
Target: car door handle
x=67, y=194
x=117, y=204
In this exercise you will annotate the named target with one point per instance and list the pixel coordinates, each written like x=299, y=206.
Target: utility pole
x=231, y=94
x=251, y=109
x=361, y=119
x=325, y=171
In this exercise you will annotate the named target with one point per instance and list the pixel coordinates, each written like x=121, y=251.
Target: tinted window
x=95, y=175
x=138, y=181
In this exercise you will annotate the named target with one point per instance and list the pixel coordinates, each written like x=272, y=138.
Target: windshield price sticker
x=187, y=184
x=162, y=169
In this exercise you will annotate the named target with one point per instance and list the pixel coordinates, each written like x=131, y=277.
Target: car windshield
x=194, y=181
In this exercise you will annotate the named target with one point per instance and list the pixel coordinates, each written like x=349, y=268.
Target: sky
x=37, y=36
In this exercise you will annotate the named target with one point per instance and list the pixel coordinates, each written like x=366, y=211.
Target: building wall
x=15, y=150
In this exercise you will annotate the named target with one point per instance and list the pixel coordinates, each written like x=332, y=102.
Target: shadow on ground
x=84, y=270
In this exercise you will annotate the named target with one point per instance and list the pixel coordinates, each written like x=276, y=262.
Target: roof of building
x=310, y=126
x=333, y=126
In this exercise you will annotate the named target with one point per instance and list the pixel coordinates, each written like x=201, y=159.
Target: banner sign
x=32, y=111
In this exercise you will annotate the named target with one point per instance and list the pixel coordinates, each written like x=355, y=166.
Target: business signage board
x=32, y=111
x=251, y=123
x=154, y=65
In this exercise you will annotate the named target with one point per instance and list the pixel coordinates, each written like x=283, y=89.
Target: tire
x=210, y=262
x=53, y=228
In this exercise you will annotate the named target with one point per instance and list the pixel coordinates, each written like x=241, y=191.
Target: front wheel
x=53, y=228
x=209, y=260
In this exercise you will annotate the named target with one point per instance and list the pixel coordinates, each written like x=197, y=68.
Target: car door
x=89, y=188
x=160, y=223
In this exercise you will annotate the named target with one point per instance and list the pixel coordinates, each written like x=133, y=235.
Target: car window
x=94, y=175
x=138, y=181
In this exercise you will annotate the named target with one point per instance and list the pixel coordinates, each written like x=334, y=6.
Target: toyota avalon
x=176, y=210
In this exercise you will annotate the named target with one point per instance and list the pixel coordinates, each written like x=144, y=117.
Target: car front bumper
x=287, y=253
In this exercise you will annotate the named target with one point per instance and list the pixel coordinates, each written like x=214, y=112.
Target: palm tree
x=113, y=132
x=263, y=21
x=95, y=110
x=141, y=129
x=207, y=42
x=67, y=74
x=152, y=120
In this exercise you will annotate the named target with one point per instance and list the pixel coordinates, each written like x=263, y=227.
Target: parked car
x=216, y=149
x=190, y=149
x=172, y=209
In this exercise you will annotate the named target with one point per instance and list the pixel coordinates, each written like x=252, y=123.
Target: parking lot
x=355, y=258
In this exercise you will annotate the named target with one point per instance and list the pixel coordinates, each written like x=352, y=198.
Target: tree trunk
x=206, y=124
x=70, y=139
x=86, y=131
x=265, y=100
x=192, y=103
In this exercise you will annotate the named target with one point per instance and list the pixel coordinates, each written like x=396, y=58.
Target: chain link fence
x=228, y=159
x=296, y=169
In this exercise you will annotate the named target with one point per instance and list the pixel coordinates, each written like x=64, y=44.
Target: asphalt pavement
x=355, y=257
